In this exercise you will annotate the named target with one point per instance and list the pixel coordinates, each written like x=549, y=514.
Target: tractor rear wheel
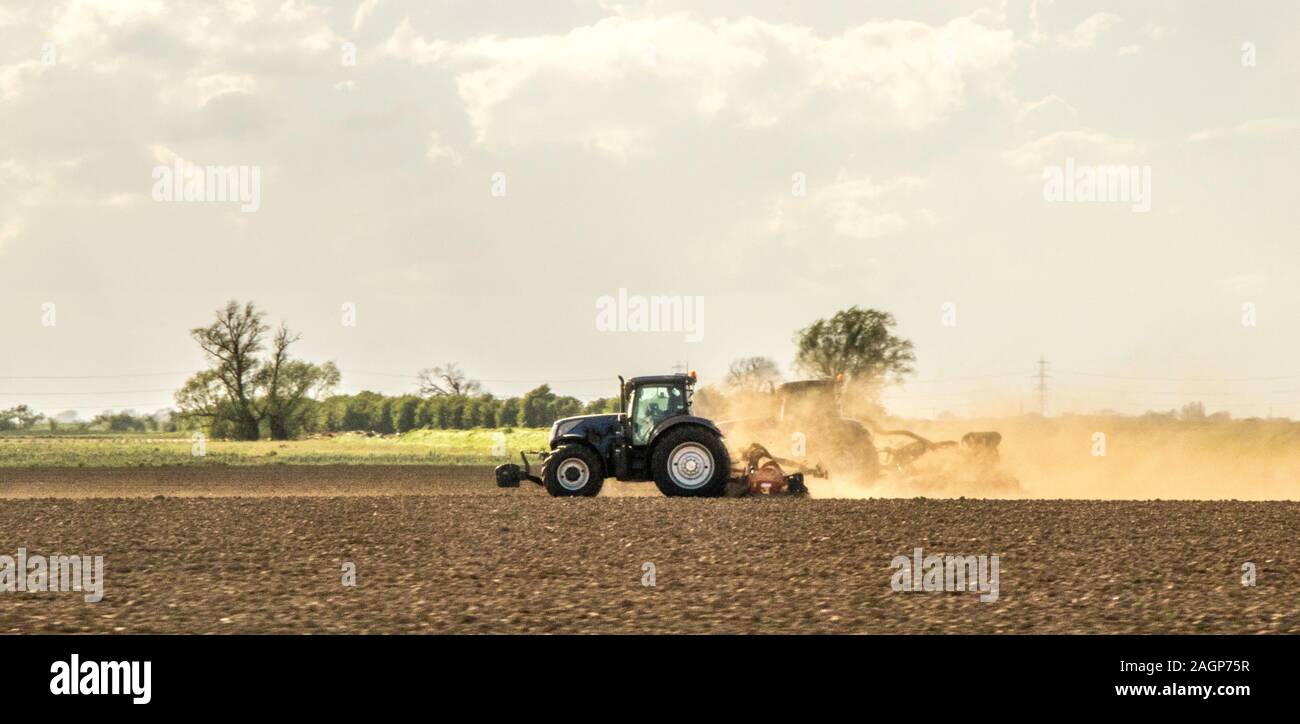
x=691, y=461
x=573, y=470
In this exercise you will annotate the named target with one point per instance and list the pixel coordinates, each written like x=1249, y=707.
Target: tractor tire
x=573, y=470
x=691, y=461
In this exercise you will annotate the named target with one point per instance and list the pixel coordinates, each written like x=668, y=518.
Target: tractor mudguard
x=672, y=422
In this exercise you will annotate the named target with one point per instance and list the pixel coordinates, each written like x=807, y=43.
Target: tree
x=330, y=413
x=67, y=416
x=752, y=374
x=21, y=417
x=856, y=343
x=710, y=402
x=363, y=410
x=473, y=412
x=1192, y=411
x=508, y=412
x=203, y=399
x=382, y=419
x=601, y=405
x=535, y=408
x=231, y=344
x=427, y=414
x=447, y=379
x=125, y=421
x=454, y=412
x=241, y=390
x=404, y=413
x=287, y=383
x=564, y=407
x=488, y=406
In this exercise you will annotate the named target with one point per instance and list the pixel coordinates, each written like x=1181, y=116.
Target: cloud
x=1256, y=129
x=12, y=77
x=321, y=40
x=853, y=206
x=196, y=91
x=616, y=84
x=437, y=150
x=1050, y=108
x=1243, y=283
x=1088, y=147
x=1035, y=35
x=1159, y=32
x=29, y=185
x=1084, y=35
x=8, y=230
x=124, y=199
x=363, y=11
x=82, y=25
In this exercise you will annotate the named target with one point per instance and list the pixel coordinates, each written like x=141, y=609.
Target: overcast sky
x=781, y=160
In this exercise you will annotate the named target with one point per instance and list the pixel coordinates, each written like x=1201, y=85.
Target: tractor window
x=653, y=404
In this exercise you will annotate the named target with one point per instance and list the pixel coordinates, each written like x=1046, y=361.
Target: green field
x=419, y=447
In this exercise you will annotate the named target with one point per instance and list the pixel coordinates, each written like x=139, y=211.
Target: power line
x=1148, y=406
x=606, y=378
x=105, y=392
x=92, y=377
x=380, y=374
x=1181, y=379
x=983, y=392
x=1017, y=373
x=1042, y=385
x=1180, y=393
x=114, y=405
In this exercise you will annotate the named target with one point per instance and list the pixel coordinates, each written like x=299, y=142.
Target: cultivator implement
x=759, y=472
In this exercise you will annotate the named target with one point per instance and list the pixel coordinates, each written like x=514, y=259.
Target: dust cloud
x=1117, y=458
x=1069, y=457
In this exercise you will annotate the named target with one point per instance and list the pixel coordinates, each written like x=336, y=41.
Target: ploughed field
x=440, y=549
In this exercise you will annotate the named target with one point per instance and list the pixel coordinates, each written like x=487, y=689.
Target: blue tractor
x=655, y=437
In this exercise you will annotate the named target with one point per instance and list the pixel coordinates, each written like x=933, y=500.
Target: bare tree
x=287, y=382
x=752, y=374
x=241, y=389
x=232, y=343
x=447, y=379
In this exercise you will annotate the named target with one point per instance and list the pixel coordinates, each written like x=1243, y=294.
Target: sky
x=470, y=182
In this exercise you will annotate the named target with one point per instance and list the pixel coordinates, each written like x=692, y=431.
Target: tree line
x=24, y=418
x=373, y=412
x=253, y=387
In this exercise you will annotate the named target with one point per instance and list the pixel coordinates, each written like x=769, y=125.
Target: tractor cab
x=650, y=404
x=805, y=399
x=649, y=401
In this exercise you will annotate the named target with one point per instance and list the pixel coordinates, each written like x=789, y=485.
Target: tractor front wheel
x=573, y=470
x=691, y=461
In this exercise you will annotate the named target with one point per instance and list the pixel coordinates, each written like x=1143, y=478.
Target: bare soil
x=440, y=549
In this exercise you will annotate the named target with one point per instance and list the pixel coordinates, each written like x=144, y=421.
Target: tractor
x=654, y=437
x=805, y=418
